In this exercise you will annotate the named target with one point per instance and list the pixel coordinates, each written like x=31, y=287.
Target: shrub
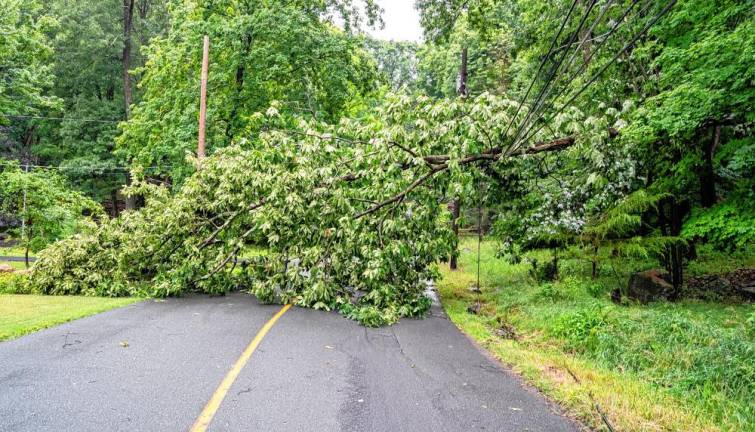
x=13, y=283
x=549, y=291
x=596, y=289
x=727, y=227
x=547, y=272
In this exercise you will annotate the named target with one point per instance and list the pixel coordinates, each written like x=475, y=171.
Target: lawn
x=683, y=366
x=23, y=314
x=15, y=251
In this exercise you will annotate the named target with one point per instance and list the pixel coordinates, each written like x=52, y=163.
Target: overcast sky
x=401, y=21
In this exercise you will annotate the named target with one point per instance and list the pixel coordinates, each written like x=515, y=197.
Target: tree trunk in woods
x=455, y=212
x=596, y=250
x=128, y=24
x=28, y=236
x=128, y=15
x=464, y=73
x=676, y=252
x=585, y=35
x=707, y=176
x=240, y=76
x=114, y=197
x=456, y=203
x=675, y=255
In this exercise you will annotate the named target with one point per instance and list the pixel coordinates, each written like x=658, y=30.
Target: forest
x=567, y=174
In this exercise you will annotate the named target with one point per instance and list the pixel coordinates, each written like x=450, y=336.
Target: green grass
x=12, y=251
x=682, y=366
x=23, y=314
x=16, y=252
x=16, y=265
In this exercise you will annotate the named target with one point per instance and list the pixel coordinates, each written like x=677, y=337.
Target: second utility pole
x=203, y=99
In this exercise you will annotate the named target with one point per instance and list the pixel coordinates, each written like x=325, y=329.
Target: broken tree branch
x=229, y=221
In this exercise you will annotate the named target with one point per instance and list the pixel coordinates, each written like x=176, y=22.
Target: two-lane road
x=158, y=366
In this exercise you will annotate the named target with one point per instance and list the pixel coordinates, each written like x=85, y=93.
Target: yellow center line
x=204, y=419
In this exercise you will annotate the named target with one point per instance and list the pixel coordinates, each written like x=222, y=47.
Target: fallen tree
x=349, y=217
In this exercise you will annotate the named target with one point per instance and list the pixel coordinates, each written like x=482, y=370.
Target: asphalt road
x=16, y=259
x=153, y=366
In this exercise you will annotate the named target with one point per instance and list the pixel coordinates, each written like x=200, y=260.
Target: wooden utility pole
x=456, y=203
x=203, y=98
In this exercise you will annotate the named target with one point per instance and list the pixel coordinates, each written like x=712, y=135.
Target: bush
x=596, y=289
x=549, y=291
x=547, y=272
x=727, y=227
x=14, y=283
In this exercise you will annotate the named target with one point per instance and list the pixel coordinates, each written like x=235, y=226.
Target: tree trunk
x=464, y=73
x=707, y=175
x=128, y=15
x=676, y=254
x=128, y=24
x=595, y=263
x=584, y=36
x=114, y=197
x=28, y=240
x=240, y=76
x=455, y=212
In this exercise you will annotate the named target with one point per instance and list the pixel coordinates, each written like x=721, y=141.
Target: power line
x=542, y=102
x=554, y=73
x=605, y=67
x=111, y=169
x=35, y=117
x=586, y=62
x=540, y=68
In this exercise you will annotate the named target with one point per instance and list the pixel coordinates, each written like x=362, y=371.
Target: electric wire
x=536, y=111
x=599, y=47
x=553, y=75
x=540, y=68
x=605, y=67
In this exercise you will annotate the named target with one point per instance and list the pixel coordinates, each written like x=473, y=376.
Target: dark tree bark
x=464, y=73
x=707, y=175
x=128, y=25
x=114, y=197
x=455, y=212
x=675, y=255
x=238, y=99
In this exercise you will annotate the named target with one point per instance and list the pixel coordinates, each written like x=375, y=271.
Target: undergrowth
x=695, y=359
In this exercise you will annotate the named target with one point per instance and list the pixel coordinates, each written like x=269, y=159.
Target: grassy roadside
x=23, y=314
x=688, y=366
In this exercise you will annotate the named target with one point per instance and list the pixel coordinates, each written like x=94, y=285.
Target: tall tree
x=26, y=74
x=260, y=51
x=94, y=55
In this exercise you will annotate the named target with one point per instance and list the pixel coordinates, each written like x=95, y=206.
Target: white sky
x=401, y=21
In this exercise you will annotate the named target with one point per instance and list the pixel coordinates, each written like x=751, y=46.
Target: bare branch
x=229, y=221
x=405, y=192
